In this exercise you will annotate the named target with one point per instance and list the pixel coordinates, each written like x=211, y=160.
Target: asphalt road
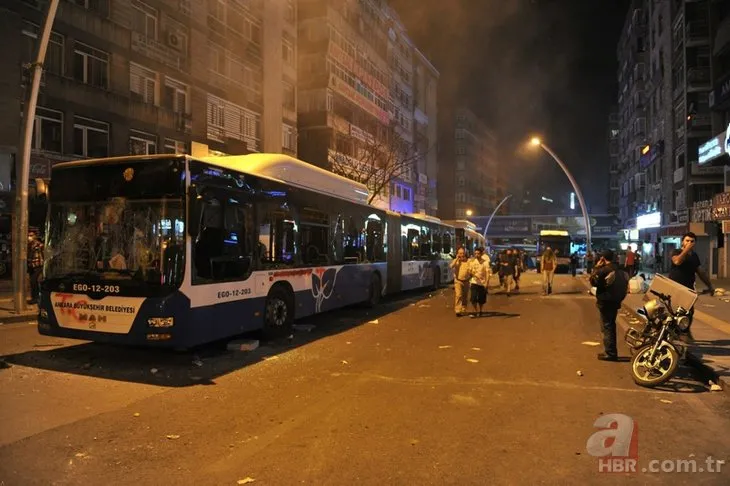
x=407, y=394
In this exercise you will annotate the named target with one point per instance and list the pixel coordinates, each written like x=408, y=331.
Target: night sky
x=544, y=67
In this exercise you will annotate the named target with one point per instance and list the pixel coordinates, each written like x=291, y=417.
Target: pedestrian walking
x=548, y=263
x=589, y=262
x=460, y=265
x=574, y=264
x=611, y=288
x=685, y=266
x=509, y=267
x=479, y=268
x=35, y=265
x=630, y=262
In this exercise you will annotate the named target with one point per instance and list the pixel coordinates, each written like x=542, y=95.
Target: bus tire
x=278, y=312
x=376, y=291
x=436, y=279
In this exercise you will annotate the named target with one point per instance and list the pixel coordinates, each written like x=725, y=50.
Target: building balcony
x=154, y=115
x=169, y=52
x=80, y=94
x=698, y=79
x=697, y=33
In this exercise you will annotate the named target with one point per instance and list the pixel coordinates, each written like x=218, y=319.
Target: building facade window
x=54, y=62
x=142, y=83
x=48, y=130
x=91, y=66
x=287, y=52
x=218, y=10
x=290, y=13
x=289, y=96
x=91, y=137
x=176, y=96
x=288, y=137
x=142, y=143
x=144, y=19
x=228, y=120
x=175, y=146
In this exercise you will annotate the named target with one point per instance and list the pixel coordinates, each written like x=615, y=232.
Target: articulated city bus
x=559, y=241
x=176, y=251
x=467, y=235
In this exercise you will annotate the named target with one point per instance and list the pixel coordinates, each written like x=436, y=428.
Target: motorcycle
x=657, y=348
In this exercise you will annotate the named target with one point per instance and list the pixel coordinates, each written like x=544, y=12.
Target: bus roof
x=426, y=217
x=293, y=171
x=279, y=167
x=461, y=223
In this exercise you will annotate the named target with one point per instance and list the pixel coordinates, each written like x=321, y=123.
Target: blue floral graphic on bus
x=323, y=284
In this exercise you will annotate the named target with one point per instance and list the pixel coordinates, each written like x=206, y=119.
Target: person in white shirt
x=480, y=269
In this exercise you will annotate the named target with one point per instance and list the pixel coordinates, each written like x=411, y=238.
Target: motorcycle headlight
x=683, y=323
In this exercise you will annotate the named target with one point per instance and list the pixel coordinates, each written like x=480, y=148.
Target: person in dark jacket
x=611, y=288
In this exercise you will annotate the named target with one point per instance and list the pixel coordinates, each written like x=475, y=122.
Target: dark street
x=407, y=395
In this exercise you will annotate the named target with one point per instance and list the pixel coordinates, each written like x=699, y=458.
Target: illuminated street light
x=535, y=141
x=469, y=212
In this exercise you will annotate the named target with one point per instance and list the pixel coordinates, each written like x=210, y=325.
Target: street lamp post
x=489, y=221
x=538, y=143
x=23, y=175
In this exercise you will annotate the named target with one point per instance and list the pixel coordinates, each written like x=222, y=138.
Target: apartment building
x=425, y=118
x=632, y=57
x=613, y=157
x=470, y=179
x=714, y=153
x=668, y=44
x=363, y=84
x=150, y=76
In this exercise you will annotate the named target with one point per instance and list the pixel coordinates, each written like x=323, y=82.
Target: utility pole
x=22, y=175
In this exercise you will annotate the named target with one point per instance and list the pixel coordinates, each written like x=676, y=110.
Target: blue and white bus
x=466, y=235
x=175, y=251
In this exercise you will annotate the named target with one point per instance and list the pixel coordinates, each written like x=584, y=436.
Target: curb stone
x=691, y=358
x=17, y=319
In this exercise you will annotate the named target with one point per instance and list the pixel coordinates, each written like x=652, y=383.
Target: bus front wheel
x=278, y=313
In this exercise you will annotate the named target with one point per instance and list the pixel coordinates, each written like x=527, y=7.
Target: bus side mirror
x=195, y=209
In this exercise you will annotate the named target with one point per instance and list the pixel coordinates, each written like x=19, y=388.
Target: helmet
x=652, y=308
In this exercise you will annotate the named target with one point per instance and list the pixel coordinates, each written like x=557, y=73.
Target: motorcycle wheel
x=648, y=375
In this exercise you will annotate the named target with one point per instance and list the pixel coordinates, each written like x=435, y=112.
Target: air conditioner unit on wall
x=175, y=41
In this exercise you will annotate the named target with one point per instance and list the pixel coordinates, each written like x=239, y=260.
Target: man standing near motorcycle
x=611, y=288
x=685, y=265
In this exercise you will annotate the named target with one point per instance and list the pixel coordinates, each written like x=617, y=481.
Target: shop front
x=721, y=214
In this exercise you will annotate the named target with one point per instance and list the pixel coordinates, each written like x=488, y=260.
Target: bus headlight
x=160, y=322
x=43, y=314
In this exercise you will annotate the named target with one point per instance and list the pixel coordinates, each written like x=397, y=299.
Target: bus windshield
x=118, y=222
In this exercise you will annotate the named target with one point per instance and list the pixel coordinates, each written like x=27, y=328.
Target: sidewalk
x=7, y=306
x=711, y=331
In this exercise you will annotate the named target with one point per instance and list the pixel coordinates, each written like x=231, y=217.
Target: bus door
x=395, y=254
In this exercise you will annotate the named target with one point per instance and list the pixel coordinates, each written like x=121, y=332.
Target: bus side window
x=425, y=243
x=338, y=239
x=276, y=244
x=375, y=240
x=209, y=244
x=447, y=243
x=437, y=240
x=313, y=234
x=354, y=240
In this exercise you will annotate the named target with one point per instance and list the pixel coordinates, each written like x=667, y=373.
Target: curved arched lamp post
x=486, y=228
x=538, y=143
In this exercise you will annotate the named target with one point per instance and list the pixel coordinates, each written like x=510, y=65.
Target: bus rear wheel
x=278, y=313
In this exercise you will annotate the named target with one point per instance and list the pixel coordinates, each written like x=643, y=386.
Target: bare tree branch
x=377, y=161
